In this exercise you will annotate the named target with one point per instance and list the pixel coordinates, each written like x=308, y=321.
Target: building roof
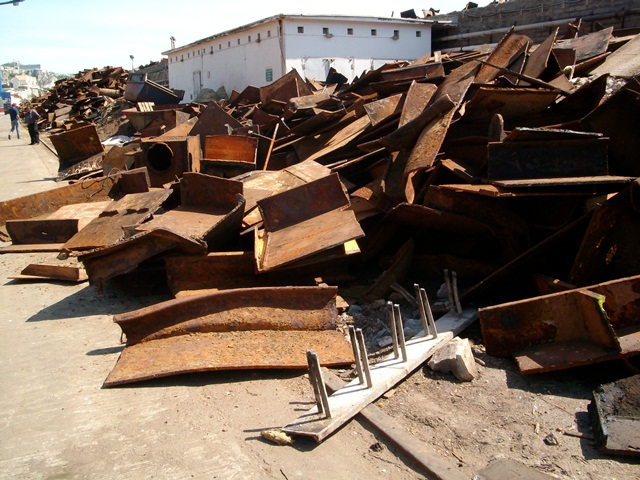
x=283, y=16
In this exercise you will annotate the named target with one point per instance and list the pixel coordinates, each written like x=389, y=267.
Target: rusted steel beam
x=105, y=263
x=168, y=158
x=78, y=144
x=228, y=270
x=268, y=328
x=206, y=352
x=52, y=272
x=34, y=231
x=106, y=229
x=566, y=329
x=538, y=60
x=30, y=206
x=263, y=308
x=428, y=145
x=229, y=155
x=520, y=160
x=304, y=221
x=609, y=248
x=588, y=46
x=503, y=54
x=510, y=103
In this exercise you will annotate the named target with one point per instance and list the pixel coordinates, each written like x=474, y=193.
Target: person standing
x=15, y=121
x=31, y=118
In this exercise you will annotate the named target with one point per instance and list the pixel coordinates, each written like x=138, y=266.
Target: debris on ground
x=514, y=173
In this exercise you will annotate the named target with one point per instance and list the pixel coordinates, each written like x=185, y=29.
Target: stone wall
x=621, y=14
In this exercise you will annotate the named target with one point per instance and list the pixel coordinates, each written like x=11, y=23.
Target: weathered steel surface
x=202, y=352
x=566, y=329
x=511, y=103
x=261, y=308
x=404, y=138
x=167, y=159
x=125, y=256
x=616, y=118
x=314, y=149
x=140, y=89
x=615, y=416
x=505, y=52
x=32, y=231
x=424, y=217
x=609, y=248
x=30, y=206
x=263, y=184
x=107, y=228
x=548, y=159
x=303, y=221
x=230, y=147
x=380, y=110
x=52, y=272
x=590, y=45
x=227, y=270
x=428, y=145
x=77, y=144
x=91, y=165
x=537, y=61
x=394, y=274
x=624, y=62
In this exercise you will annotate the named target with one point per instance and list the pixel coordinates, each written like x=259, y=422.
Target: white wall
x=350, y=52
x=238, y=61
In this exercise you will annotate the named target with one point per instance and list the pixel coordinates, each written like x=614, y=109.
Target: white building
x=261, y=52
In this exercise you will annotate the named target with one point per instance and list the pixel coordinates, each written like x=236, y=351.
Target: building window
x=349, y=31
x=300, y=29
x=258, y=37
x=238, y=41
x=188, y=55
x=325, y=30
x=249, y=38
x=418, y=33
x=269, y=33
x=219, y=46
x=396, y=34
x=229, y=44
x=374, y=32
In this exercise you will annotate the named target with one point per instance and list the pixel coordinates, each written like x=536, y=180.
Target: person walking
x=15, y=121
x=31, y=118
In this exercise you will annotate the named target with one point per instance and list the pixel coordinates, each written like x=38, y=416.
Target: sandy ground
x=58, y=344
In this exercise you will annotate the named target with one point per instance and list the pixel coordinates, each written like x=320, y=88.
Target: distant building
x=263, y=51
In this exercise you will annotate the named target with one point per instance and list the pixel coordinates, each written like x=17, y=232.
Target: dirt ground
x=58, y=344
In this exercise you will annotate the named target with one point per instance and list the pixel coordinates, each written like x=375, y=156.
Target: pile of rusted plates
x=516, y=167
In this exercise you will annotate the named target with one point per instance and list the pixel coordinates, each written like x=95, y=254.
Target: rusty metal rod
x=400, y=330
x=394, y=330
x=356, y=353
x=319, y=388
x=363, y=356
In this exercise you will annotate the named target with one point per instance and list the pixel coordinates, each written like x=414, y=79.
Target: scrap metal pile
x=517, y=168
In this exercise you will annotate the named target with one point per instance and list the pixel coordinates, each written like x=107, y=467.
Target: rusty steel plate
x=105, y=263
x=202, y=352
x=266, y=308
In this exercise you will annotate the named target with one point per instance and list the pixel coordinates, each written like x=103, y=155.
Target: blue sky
x=67, y=36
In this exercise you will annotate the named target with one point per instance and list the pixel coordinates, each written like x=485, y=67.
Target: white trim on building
x=263, y=51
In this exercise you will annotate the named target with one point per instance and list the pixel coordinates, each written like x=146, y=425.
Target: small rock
x=353, y=309
x=385, y=341
x=276, y=436
x=376, y=447
x=551, y=440
x=455, y=357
